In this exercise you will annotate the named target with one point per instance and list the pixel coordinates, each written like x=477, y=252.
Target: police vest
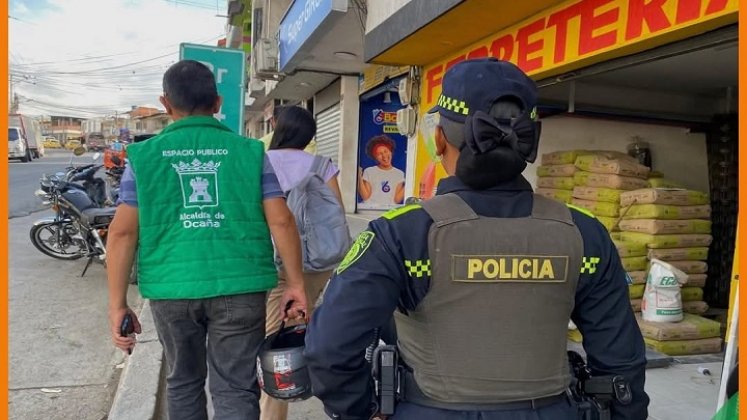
x=202, y=226
x=493, y=325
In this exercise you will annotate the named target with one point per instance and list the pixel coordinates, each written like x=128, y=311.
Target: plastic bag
x=662, y=298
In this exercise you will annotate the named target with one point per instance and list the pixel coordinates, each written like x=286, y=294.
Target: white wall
x=327, y=97
x=680, y=155
x=380, y=10
x=348, y=155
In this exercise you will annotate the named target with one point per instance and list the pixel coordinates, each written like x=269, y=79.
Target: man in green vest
x=202, y=206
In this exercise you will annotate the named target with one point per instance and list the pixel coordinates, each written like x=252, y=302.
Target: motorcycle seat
x=97, y=215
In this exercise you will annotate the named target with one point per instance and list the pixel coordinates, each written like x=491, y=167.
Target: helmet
x=281, y=368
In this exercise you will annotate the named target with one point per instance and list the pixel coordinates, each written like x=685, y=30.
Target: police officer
x=482, y=279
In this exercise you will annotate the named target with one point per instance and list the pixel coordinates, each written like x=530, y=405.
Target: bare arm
x=364, y=187
x=120, y=252
x=335, y=187
x=399, y=193
x=284, y=233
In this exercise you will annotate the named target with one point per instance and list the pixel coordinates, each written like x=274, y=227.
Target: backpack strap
x=447, y=209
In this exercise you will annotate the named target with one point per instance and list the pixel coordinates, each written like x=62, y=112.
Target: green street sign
x=228, y=66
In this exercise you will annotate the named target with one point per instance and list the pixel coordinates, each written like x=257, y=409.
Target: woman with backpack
x=294, y=129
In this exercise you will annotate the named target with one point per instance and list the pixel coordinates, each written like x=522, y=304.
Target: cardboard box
x=589, y=179
x=685, y=347
x=692, y=327
x=655, y=227
x=663, y=211
x=670, y=196
x=556, y=170
x=679, y=254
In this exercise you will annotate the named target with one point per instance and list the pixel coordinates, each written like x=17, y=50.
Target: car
x=96, y=142
x=52, y=143
x=72, y=144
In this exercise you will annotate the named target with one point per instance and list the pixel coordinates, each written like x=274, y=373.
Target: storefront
x=612, y=74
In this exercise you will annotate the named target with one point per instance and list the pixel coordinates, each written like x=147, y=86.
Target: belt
x=413, y=394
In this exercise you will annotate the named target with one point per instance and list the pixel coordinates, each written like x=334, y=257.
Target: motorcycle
x=79, y=226
x=114, y=177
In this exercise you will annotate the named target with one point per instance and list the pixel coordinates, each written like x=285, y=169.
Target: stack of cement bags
x=601, y=178
x=634, y=258
x=692, y=335
x=555, y=175
x=673, y=225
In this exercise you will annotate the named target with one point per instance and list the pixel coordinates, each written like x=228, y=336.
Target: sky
x=97, y=58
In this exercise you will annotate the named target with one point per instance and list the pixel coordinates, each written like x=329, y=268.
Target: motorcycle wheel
x=53, y=239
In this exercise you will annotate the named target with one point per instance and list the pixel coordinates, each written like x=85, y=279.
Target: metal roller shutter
x=328, y=132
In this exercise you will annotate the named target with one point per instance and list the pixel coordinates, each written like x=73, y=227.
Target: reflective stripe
x=582, y=210
x=399, y=211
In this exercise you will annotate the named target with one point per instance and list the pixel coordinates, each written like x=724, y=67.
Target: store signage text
x=580, y=29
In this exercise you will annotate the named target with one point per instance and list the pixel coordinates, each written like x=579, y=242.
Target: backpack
x=320, y=219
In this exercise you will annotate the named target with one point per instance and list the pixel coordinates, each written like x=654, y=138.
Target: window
x=13, y=134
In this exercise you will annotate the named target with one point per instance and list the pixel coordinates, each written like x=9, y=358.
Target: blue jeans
x=234, y=327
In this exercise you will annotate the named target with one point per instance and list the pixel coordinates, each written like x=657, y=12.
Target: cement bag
x=663, y=183
x=556, y=182
x=668, y=241
x=616, y=236
x=670, y=196
x=696, y=307
x=690, y=294
x=679, y=254
x=696, y=280
x=662, y=300
x=609, y=223
x=608, y=195
x=598, y=208
x=634, y=263
x=656, y=227
x=562, y=157
x=589, y=179
x=692, y=327
x=691, y=267
x=635, y=291
x=575, y=336
x=630, y=249
x=663, y=211
x=637, y=277
x=685, y=347
x=556, y=194
x=556, y=170
x=636, y=305
x=609, y=165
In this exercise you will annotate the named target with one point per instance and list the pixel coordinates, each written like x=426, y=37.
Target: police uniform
x=482, y=284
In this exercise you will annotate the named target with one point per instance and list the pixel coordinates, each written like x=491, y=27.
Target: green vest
x=202, y=226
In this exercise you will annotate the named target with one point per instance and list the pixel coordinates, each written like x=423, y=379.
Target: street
x=24, y=178
x=62, y=362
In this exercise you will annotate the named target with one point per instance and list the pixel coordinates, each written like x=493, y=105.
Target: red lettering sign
x=479, y=52
x=715, y=6
x=687, y=10
x=432, y=79
x=502, y=48
x=454, y=61
x=651, y=12
x=587, y=42
x=525, y=47
x=560, y=21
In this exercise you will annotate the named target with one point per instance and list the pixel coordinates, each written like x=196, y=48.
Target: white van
x=31, y=133
x=17, y=147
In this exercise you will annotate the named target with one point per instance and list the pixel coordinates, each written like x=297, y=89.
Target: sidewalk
x=677, y=392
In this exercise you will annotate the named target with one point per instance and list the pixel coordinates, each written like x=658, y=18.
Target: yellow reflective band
x=582, y=210
x=399, y=211
x=418, y=268
x=509, y=268
x=455, y=105
x=589, y=265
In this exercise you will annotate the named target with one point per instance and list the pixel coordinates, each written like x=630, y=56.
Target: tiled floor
x=680, y=392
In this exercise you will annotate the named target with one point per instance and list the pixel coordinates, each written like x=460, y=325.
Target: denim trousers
x=234, y=327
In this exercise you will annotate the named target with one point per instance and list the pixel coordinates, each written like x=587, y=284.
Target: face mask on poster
x=428, y=125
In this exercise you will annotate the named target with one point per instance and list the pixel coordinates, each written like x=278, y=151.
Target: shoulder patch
x=582, y=210
x=399, y=211
x=359, y=247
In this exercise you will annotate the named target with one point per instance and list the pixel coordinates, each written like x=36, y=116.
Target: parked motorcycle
x=114, y=177
x=79, y=226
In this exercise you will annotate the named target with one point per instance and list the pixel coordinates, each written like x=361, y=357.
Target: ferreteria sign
x=576, y=34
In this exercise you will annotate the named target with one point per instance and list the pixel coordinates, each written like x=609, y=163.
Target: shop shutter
x=328, y=132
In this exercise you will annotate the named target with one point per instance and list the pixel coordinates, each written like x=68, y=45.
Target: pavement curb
x=137, y=394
